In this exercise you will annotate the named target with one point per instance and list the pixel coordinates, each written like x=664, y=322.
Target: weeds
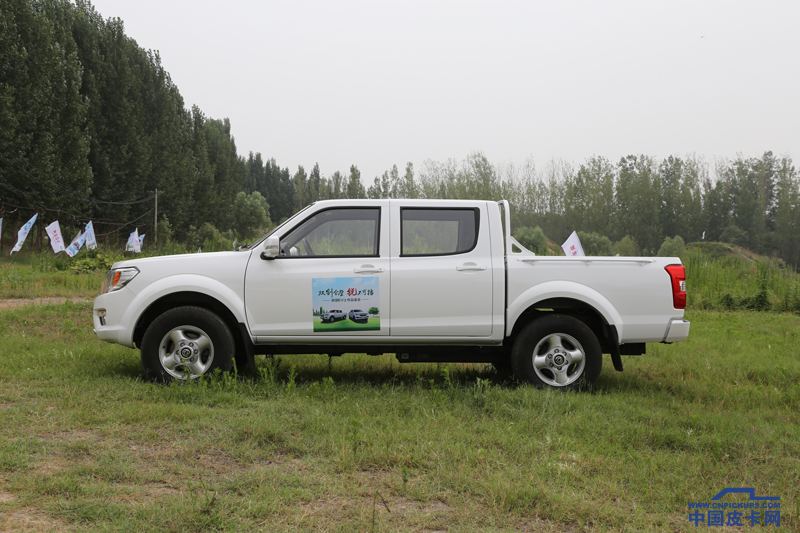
x=723, y=277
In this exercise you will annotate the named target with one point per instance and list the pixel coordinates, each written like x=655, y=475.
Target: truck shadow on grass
x=371, y=371
x=302, y=371
x=299, y=371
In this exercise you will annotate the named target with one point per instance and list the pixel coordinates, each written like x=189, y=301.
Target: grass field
x=372, y=324
x=365, y=444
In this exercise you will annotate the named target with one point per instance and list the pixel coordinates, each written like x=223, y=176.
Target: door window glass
x=335, y=232
x=438, y=231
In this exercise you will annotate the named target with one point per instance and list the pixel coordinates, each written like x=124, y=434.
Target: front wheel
x=557, y=351
x=186, y=343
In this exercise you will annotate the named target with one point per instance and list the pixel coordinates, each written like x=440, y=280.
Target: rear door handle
x=470, y=267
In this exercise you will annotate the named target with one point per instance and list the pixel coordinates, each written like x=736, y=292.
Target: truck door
x=330, y=264
x=441, y=271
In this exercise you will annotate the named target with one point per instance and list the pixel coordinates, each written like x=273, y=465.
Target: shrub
x=595, y=244
x=674, y=247
x=250, y=212
x=165, y=230
x=627, y=247
x=209, y=239
x=734, y=235
x=533, y=239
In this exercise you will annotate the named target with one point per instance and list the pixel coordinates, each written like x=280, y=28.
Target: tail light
x=677, y=275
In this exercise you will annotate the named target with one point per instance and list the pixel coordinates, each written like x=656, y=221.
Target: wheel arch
x=243, y=356
x=567, y=298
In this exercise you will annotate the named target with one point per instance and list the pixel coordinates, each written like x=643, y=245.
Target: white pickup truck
x=428, y=280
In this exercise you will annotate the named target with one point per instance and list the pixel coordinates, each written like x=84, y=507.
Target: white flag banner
x=199, y=250
x=1, y=230
x=704, y=235
x=91, y=240
x=56, y=240
x=572, y=247
x=23, y=232
x=76, y=244
x=133, y=244
x=141, y=240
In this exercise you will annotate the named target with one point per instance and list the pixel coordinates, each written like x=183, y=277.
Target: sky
x=378, y=83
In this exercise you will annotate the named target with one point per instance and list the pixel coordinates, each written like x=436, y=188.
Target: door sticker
x=346, y=304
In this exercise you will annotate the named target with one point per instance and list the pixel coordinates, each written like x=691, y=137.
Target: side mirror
x=271, y=248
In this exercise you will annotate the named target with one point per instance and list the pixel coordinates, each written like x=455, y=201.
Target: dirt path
x=20, y=302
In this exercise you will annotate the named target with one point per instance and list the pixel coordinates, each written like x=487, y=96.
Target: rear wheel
x=186, y=343
x=557, y=351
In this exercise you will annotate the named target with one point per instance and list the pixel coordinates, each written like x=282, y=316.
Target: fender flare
x=180, y=283
x=563, y=289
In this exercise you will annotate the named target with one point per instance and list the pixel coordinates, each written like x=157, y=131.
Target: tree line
x=92, y=124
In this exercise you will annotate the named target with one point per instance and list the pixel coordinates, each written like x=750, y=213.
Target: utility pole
x=155, y=219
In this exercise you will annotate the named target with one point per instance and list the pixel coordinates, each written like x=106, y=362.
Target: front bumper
x=115, y=327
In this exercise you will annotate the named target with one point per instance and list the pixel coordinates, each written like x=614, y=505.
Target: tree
x=355, y=189
x=256, y=176
x=595, y=244
x=533, y=239
x=301, y=195
x=627, y=247
x=314, y=181
x=251, y=212
x=671, y=210
x=373, y=311
x=589, y=200
x=43, y=137
x=380, y=187
x=672, y=247
x=733, y=234
x=638, y=197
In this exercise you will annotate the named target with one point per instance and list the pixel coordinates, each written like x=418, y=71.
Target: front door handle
x=368, y=269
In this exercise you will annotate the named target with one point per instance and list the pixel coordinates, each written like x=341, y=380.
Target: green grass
x=372, y=324
x=362, y=443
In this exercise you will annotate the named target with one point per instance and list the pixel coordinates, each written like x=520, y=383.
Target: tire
x=557, y=351
x=186, y=343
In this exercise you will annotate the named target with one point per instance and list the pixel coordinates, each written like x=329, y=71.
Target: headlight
x=118, y=278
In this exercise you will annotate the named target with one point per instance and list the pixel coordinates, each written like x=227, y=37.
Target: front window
x=335, y=233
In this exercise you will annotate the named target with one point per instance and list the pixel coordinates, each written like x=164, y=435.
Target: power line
x=123, y=226
x=71, y=194
x=81, y=219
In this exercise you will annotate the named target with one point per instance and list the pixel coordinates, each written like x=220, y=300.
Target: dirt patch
x=329, y=506
x=7, y=497
x=22, y=302
x=29, y=520
x=75, y=435
x=159, y=490
x=404, y=505
x=130, y=493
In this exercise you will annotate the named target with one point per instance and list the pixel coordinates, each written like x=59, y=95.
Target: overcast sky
x=377, y=83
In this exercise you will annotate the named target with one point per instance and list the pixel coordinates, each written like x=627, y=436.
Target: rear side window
x=438, y=231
